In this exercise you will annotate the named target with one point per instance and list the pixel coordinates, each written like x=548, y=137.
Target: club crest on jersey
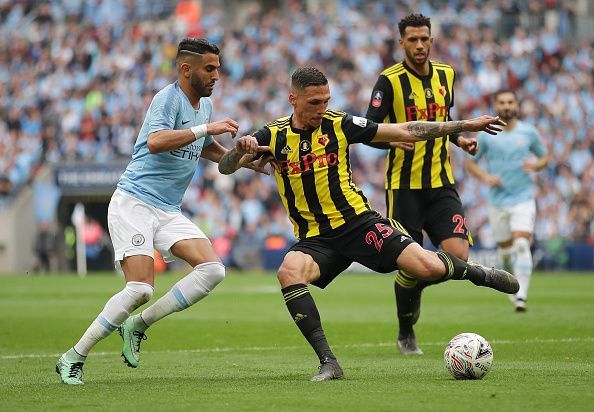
x=428, y=93
x=323, y=140
x=286, y=150
x=412, y=95
x=137, y=239
x=376, y=100
x=442, y=90
x=304, y=146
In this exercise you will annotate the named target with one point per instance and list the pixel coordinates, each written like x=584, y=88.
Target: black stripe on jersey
x=443, y=155
x=429, y=144
x=351, y=184
x=408, y=154
x=336, y=194
x=444, y=82
x=281, y=142
x=392, y=152
x=308, y=180
x=279, y=123
x=443, y=158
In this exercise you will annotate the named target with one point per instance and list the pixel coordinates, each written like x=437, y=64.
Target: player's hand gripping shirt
x=161, y=179
x=315, y=180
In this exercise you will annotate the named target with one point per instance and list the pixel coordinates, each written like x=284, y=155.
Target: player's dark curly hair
x=308, y=76
x=502, y=91
x=414, y=20
x=196, y=45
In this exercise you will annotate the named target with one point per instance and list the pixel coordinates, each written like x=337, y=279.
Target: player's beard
x=200, y=88
x=507, y=115
x=413, y=59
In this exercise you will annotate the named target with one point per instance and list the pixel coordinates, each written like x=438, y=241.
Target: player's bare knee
x=293, y=269
x=463, y=254
x=461, y=251
x=288, y=276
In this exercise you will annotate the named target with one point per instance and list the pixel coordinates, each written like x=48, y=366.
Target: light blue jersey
x=161, y=179
x=506, y=153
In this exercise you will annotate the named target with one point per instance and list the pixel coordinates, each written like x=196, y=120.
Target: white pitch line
x=272, y=348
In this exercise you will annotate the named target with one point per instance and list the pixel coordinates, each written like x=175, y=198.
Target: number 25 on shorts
x=372, y=236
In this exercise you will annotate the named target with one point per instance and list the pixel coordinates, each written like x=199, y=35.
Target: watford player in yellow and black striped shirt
x=333, y=220
x=420, y=189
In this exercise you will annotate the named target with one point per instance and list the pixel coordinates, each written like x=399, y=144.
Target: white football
x=468, y=356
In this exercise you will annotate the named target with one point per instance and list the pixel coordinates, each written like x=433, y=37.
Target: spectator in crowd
x=76, y=78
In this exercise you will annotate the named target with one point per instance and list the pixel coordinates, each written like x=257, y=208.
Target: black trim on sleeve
x=385, y=100
x=263, y=136
x=379, y=145
x=358, y=133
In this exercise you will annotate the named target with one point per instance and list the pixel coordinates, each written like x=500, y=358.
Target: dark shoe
x=329, y=370
x=499, y=279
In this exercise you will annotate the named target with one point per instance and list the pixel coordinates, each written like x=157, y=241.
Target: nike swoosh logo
x=187, y=121
x=133, y=351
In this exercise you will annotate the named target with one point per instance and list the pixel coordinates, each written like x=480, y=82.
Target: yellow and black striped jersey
x=314, y=179
x=402, y=95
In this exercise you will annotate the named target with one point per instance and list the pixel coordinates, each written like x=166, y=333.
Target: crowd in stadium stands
x=77, y=76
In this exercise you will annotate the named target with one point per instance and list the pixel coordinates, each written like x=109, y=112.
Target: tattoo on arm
x=429, y=130
x=229, y=163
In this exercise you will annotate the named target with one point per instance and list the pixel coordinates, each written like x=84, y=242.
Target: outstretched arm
x=166, y=140
x=245, y=151
x=418, y=131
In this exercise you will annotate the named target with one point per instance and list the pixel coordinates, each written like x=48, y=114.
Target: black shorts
x=369, y=239
x=437, y=211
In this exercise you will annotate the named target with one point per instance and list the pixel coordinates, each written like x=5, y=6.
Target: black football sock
x=457, y=269
x=304, y=312
x=408, y=302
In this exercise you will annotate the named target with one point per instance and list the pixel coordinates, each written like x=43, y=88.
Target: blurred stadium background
x=76, y=77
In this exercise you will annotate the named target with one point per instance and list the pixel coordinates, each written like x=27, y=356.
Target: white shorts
x=508, y=219
x=137, y=228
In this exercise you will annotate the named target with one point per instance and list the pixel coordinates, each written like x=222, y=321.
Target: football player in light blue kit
x=144, y=212
x=511, y=158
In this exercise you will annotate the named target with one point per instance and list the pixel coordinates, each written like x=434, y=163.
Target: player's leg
x=138, y=290
x=297, y=270
x=184, y=240
x=442, y=266
x=499, y=219
x=381, y=245
x=129, y=223
x=405, y=206
x=522, y=226
x=207, y=273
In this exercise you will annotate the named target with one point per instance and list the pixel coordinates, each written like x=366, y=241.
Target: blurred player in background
x=512, y=212
x=331, y=217
x=144, y=213
x=420, y=191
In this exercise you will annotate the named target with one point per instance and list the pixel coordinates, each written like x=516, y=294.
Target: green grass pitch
x=238, y=350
